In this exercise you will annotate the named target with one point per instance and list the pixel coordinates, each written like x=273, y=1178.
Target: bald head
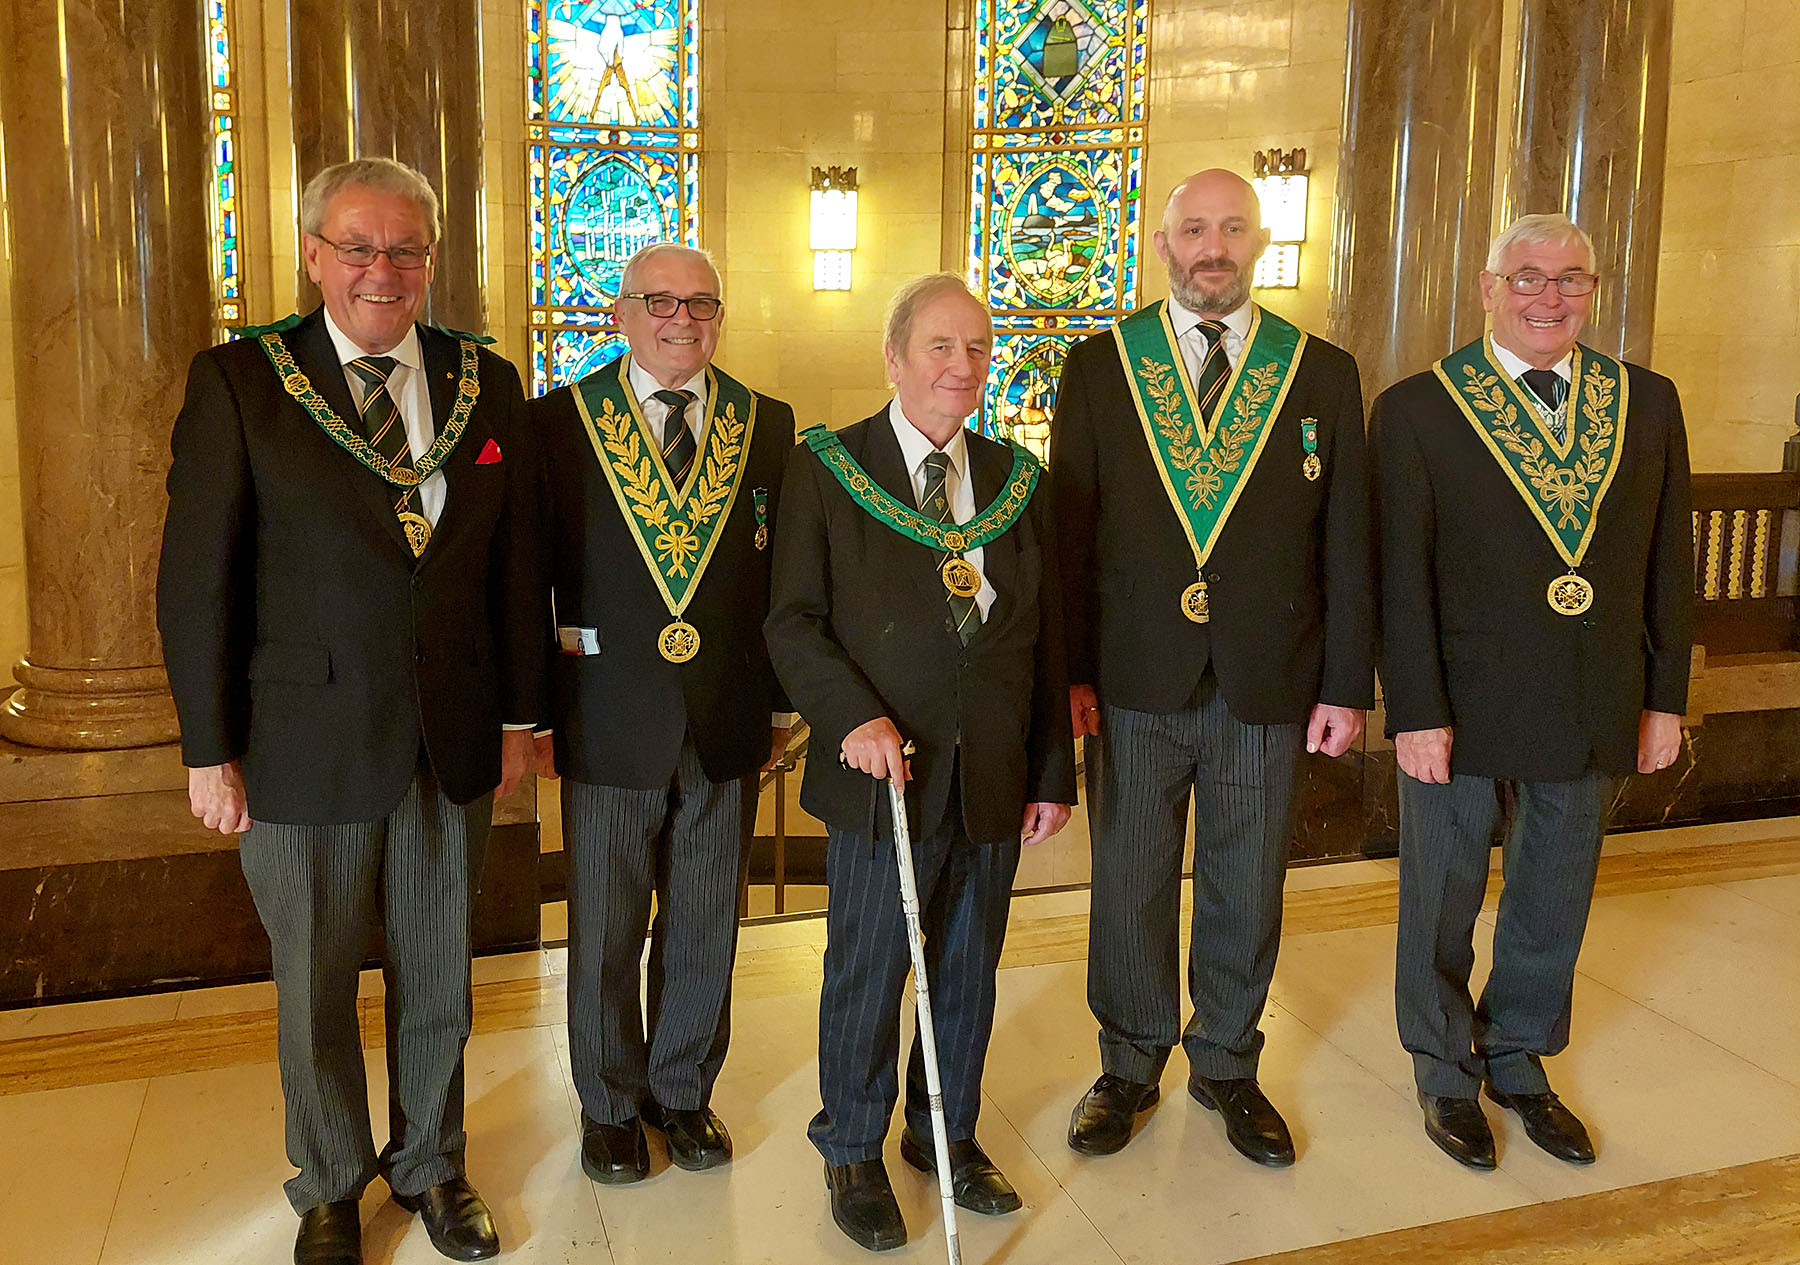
x=1210, y=237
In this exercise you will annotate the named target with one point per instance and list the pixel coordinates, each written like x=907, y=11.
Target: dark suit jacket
x=1290, y=579
x=1468, y=639
x=301, y=636
x=620, y=715
x=859, y=628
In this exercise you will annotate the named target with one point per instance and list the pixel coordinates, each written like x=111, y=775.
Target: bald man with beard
x=1209, y=486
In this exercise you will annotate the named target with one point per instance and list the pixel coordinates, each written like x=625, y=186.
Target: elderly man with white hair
x=662, y=478
x=1537, y=570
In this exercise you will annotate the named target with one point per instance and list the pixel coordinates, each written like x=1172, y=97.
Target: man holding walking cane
x=915, y=601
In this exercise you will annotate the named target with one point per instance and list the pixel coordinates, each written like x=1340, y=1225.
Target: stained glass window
x=228, y=276
x=613, y=153
x=1055, y=188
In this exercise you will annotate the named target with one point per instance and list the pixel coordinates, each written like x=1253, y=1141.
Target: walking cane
x=915, y=942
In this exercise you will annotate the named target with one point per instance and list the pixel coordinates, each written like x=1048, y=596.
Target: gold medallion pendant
x=1570, y=594
x=418, y=531
x=1311, y=467
x=679, y=642
x=960, y=577
x=1194, y=602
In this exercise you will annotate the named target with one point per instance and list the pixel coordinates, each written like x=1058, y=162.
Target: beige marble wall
x=793, y=84
x=1728, y=303
x=12, y=527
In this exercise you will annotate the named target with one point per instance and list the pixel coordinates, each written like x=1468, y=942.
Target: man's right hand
x=1084, y=710
x=216, y=794
x=543, y=756
x=874, y=748
x=1424, y=754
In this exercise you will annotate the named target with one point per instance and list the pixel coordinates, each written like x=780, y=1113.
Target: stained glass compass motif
x=613, y=162
x=1055, y=188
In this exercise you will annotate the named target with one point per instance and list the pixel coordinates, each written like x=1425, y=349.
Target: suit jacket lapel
x=989, y=466
x=886, y=464
x=317, y=357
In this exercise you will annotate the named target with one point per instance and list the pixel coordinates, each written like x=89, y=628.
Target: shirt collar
x=1514, y=366
x=644, y=384
x=1184, y=320
x=914, y=447
x=405, y=352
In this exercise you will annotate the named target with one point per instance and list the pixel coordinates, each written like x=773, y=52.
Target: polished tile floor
x=147, y=1130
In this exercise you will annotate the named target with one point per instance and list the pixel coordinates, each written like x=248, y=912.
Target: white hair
x=912, y=296
x=383, y=175
x=656, y=250
x=1540, y=230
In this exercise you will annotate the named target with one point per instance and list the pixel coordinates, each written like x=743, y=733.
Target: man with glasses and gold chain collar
x=1211, y=499
x=351, y=610
x=662, y=477
x=1536, y=576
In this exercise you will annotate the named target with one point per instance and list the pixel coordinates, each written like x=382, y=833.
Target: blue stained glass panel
x=613, y=161
x=1057, y=134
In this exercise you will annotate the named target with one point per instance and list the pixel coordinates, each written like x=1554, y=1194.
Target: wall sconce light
x=1280, y=183
x=833, y=226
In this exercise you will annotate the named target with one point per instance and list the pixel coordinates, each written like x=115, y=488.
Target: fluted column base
x=75, y=709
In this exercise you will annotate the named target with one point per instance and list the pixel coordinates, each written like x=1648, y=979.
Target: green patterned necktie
x=1214, y=369
x=678, y=447
x=936, y=503
x=387, y=436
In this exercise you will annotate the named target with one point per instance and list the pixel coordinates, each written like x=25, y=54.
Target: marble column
x=1589, y=138
x=104, y=104
x=1415, y=182
x=399, y=79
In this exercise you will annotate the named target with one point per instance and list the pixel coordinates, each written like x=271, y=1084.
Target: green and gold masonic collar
x=1204, y=465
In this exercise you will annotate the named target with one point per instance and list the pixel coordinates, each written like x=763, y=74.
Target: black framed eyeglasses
x=702, y=307
x=362, y=255
x=1571, y=285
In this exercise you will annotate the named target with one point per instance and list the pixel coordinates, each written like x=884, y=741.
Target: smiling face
x=672, y=348
x=1538, y=328
x=940, y=372
x=1211, y=235
x=373, y=305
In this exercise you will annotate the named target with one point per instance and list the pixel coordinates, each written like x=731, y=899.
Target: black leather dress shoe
x=1252, y=1124
x=697, y=1139
x=1551, y=1125
x=457, y=1220
x=614, y=1154
x=1101, y=1123
x=863, y=1204
x=330, y=1234
x=975, y=1183
x=1459, y=1129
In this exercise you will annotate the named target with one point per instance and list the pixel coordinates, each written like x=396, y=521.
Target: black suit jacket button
x=1212, y=577
x=1588, y=623
x=419, y=655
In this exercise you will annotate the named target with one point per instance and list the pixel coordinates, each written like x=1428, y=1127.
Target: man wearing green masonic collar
x=1536, y=575
x=1207, y=473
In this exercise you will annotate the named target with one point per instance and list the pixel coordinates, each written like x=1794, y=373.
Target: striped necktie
x=1552, y=392
x=387, y=436
x=936, y=502
x=1214, y=369
x=678, y=447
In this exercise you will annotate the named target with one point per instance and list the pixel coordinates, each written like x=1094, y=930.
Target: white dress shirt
x=959, y=488
x=645, y=387
x=1515, y=367
x=410, y=393
x=1193, y=343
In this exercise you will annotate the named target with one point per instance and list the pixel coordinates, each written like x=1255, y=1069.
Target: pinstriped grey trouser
x=1551, y=856
x=965, y=890
x=688, y=844
x=316, y=889
x=1242, y=779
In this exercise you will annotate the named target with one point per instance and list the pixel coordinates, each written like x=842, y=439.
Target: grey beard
x=1194, y=299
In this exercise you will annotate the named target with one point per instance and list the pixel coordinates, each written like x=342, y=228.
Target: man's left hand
x=1042, y=821
x=516, y=757
x=778, y=741
x=1333, y=730
x=1659, y=740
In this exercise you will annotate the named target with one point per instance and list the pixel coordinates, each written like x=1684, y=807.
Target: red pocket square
x=489, y=455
